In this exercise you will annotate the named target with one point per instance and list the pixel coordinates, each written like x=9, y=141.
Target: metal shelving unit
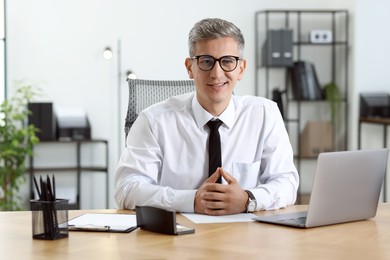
x=78, y=168
x=333, y=64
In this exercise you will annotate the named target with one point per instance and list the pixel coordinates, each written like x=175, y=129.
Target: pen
x=54, y=187
x=36, y=187
x=88, y=228
x=47, y=196
x=49, y=189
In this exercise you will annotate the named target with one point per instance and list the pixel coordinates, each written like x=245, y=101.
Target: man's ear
x=242, y=69
x=188, y=64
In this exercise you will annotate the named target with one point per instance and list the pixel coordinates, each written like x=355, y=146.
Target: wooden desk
x=369, y=239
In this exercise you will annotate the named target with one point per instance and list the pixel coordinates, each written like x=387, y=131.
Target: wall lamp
x=130, y=75
x=107, y=53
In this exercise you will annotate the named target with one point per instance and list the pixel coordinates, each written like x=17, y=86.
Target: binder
x=277, y=49
x=103, y=222
x=305, y=84
x=313, y=85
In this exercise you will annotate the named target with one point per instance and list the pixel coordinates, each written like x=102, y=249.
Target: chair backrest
x=144, y=93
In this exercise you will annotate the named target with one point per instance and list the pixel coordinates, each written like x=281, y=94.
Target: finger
x=228, y=178
x=214, y=195
x=214, y=177
x=216, y=212
x=213, y=204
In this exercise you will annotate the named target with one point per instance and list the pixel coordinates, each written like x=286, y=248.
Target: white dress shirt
x=166, y=156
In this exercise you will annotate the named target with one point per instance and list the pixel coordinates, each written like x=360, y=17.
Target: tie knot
x=214, y=124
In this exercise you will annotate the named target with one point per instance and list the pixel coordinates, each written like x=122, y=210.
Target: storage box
x=72, y=124
x=278, y=48
x=317, y=137
x=42, y=117
x=375, y=105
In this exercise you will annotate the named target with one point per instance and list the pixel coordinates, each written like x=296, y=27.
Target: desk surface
x=369, y=239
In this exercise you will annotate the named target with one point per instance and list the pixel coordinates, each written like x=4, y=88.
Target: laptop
x=347, y=187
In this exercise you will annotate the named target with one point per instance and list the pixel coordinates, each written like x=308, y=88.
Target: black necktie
x=215, y=160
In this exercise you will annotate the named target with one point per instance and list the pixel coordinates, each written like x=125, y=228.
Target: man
x=166, y=161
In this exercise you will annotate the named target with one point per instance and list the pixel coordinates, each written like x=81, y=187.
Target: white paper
x=202, y=219
x=114, y=221
x=71, y=117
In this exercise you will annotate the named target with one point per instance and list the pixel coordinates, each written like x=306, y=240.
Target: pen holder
x=49, y=219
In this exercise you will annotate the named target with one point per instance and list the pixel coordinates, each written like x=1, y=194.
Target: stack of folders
x=305, y=84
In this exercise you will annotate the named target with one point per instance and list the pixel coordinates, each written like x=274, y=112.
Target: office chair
x=143, y=93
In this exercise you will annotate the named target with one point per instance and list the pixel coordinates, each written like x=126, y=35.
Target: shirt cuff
x=184, y=200
x=263, y=200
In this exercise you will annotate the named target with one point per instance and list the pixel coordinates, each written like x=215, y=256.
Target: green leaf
x=16, y=141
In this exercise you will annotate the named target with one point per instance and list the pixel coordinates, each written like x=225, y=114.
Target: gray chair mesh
x=144, y=93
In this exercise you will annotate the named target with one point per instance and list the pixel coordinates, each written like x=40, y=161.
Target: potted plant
x=17, y=138
x=334, y=98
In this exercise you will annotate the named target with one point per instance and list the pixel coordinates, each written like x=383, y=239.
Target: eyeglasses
x=207, y=62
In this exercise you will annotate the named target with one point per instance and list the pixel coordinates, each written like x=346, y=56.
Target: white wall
x=59, y=44
x=371, y=59
x=2, y=45
x=372, y=55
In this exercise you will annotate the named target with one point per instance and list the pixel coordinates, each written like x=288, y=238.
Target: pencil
x=37, y=188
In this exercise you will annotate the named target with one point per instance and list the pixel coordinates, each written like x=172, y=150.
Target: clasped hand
x=220, y=199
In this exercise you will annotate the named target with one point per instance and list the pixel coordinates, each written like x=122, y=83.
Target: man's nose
x=217, y=70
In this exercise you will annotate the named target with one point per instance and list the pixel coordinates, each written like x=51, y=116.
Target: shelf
x=313, y=101
x=65, y=169
x=329, y=44
x=77, y=168
x=375, y=120
x=73, y=141
x=308, y=11
x=330, y=60
x=94, y=169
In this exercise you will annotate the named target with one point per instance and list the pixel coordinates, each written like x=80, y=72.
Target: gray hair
x=214, y=28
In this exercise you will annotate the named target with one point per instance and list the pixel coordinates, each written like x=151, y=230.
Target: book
x=304, y=81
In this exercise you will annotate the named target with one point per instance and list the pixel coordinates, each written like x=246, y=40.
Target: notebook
x=346, y=188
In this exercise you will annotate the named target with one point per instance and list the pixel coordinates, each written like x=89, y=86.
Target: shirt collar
x=202, y=116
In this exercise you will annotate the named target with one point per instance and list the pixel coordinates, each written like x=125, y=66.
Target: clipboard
x=103, y=222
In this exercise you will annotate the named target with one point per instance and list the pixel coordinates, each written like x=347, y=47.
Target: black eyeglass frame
x=215, y=61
